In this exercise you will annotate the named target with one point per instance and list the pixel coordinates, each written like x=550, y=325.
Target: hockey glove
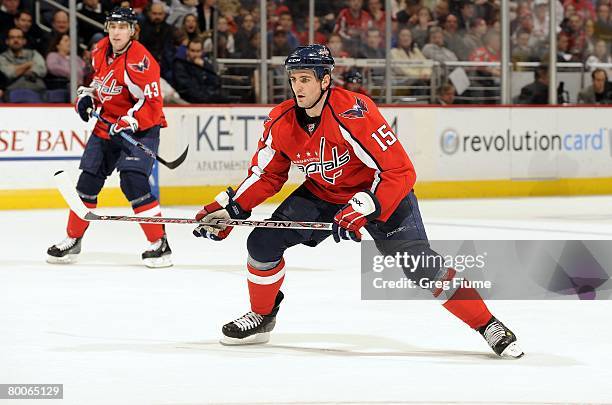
x=84, y=102
x=126, y=124
x=224, y=207
x=362, y=207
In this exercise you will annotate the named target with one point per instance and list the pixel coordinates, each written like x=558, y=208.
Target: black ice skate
x=251, y=328
x=65, y=251
x=158, y=255
x=501, y=339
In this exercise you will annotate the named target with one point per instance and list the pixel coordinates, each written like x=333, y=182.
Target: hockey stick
x=68, y=191
x=170, y=165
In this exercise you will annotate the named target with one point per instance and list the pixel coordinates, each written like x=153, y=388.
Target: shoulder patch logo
x=141, y=66
x=357, y=111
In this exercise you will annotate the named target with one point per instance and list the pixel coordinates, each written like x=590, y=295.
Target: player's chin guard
x=122, y=14
x=223, y=208
x=361, y=208
x=314, y=57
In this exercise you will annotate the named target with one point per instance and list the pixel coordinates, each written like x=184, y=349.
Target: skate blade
x=257, y=339
x=68, y=259
x=513, y=351
x=158, y=262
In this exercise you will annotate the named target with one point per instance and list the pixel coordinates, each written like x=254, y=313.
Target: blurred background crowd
x=441, y=51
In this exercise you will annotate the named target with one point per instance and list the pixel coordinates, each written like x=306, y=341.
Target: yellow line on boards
x=199, y=195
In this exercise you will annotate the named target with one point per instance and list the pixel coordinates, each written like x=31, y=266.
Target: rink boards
x=458, y=152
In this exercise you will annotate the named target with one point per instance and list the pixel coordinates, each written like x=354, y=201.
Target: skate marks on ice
x=309, y=344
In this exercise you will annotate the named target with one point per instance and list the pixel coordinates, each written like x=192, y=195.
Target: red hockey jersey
x=352, y=149
x=126, y=85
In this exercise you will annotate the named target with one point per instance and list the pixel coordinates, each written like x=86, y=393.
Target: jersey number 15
x=384, y=134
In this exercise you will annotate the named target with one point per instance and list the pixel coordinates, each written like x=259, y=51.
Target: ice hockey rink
x=114, y=332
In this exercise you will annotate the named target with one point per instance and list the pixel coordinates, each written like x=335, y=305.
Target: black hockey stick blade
x=170, y=165
x=175, y=163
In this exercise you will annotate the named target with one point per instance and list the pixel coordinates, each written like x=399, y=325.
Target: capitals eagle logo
x=357, y=111
x=141, y=66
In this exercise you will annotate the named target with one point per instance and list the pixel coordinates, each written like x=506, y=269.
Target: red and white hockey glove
x=126, y=124
x=85, y=102
x=362, y=207
x=224, y=207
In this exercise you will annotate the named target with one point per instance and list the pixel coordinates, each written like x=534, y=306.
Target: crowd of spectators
x=187, y=37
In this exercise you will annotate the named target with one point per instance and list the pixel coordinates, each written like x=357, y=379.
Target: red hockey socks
x=153, y=232
x=264, y=286
x=466, y=304
x=76, y=226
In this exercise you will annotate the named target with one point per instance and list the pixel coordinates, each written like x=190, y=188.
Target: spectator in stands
x=225, y=40
x=522, y=52
x=279, y=46
x=603, y=25
x=206, y=15
x=441, y=11
x=452, y=39
x=92, y=9
x=334, y=43
x=536, y=92
x=156, y=36
x=194, y=78
x=23, y=68
x=407, y=50
x=489, y=52
x=353, y=81
x=373, y=47
x=601, y=54
x=245, y=33
x=58, y=62
x=319, y=36
x=33, y=34
x=473, y=39
x=352, y=24
x=446, y=94
x=576, y=37
x=467, y=14
x=188, y=31
x=3, y=84
x=423, y=21
x=8, y=12
x=285, y=22
x=59, y=25
x=179, y=9
x=407, y=9
x=435, y=49
x=589, y=37
x=540, y=21
x=563, y=54
x=599, y=92
x=375, y=8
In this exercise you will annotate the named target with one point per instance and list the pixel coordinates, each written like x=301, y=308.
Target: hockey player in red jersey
x=126, y=88
x=357, y=175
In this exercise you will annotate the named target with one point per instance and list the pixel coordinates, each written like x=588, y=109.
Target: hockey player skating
x=357, y=175
x=126, y=85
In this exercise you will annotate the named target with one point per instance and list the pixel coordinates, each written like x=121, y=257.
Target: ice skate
x=158, y=255
x=64, y=252
x=251, y=328
x=501, y=339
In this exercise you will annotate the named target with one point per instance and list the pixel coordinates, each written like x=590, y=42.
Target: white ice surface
x=114, y=332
